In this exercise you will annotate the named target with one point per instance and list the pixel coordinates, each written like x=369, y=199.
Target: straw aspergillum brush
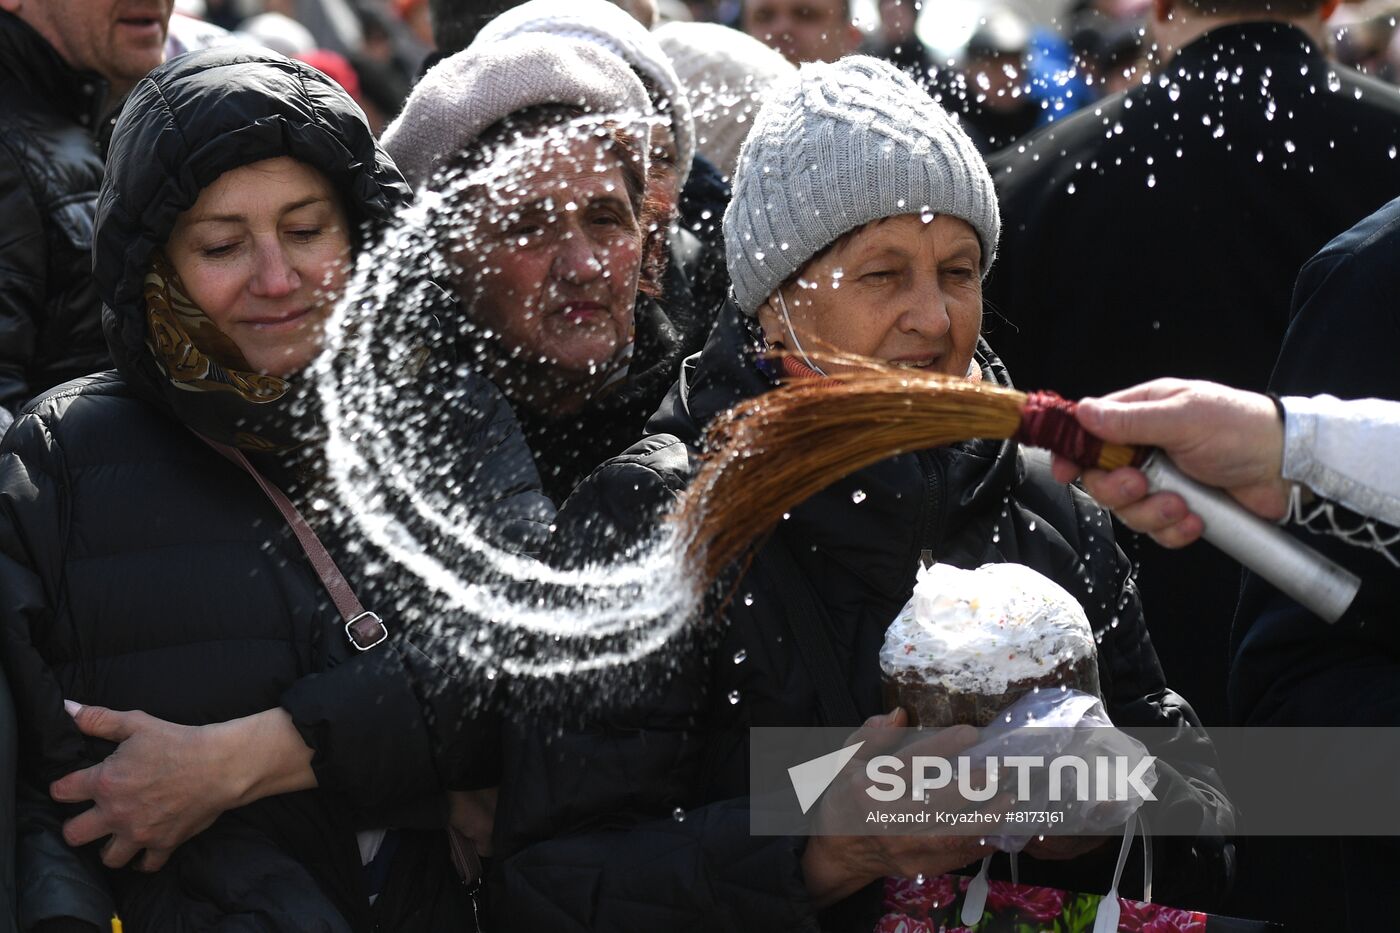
x=774, y=451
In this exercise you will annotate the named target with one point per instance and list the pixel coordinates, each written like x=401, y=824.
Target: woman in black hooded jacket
x=143, y=570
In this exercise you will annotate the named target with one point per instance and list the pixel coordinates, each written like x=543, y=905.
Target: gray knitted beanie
x=837, y=146
x=605, y=25
x=464, y=94
x=726, y=74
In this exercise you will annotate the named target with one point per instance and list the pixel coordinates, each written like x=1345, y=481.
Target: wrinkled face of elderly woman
x=264, y=252
x=547, y=265
x=903, y=290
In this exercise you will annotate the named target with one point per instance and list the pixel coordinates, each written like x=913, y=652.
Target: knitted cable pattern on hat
x=605, y=25
x=726, y=74
x=464, y=94
x=835, y=147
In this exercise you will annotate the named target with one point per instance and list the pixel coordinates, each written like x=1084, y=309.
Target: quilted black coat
x=50, y=170
x=141, y=570
x=588, y=825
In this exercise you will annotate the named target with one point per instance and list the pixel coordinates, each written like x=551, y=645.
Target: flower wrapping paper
x=935, y=906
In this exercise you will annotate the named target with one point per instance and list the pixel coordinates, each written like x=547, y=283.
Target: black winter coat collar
x=946, y=486
x=28, y=58
x=1242, y=44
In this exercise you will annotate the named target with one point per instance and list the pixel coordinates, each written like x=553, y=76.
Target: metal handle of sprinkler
x=1312, y=580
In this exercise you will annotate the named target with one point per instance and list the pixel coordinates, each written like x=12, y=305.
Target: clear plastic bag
x=1053, y=723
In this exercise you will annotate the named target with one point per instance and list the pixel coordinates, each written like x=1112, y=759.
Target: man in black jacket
x=1159, y=232
x=62, y=65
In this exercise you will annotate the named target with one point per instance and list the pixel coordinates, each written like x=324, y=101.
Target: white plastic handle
x=1312, y=580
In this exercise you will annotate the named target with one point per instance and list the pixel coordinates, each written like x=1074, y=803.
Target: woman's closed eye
x=218, y=250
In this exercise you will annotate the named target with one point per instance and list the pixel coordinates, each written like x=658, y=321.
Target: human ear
x=770, y=322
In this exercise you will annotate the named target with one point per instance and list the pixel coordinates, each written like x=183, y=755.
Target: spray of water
x=402, y=475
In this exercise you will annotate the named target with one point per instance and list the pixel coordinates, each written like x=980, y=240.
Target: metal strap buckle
x=366, y=630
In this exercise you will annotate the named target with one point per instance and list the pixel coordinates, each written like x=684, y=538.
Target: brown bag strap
x=364, y=629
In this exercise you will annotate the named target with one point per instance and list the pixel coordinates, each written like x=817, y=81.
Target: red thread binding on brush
x=1048, y=421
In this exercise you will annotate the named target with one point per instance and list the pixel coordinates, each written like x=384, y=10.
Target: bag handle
x=364, y=628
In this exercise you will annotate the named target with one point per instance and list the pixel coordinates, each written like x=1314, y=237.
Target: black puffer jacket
x=50, y=170
x=620, y=860
x=141, y=570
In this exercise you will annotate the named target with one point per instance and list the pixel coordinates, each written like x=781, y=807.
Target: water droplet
x=1288, y=144
x=748, y=599
x=919, y=878
x=1392, y=152
x=1031, y=527
x=741, y=655
x=678, y=815
x=734, y=698
x=1151, y=181
x=1069, y=189
x=858, y=496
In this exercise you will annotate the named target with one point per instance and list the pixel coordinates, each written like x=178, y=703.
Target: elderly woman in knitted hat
x=863, y=221
x=532, y=149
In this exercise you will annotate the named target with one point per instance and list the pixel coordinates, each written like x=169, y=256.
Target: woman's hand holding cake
x=835, y=867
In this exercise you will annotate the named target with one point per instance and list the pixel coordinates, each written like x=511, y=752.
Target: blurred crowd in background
x=1009, y=67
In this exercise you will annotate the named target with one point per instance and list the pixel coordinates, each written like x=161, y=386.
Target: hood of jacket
x=945, y=487
x=185, y=124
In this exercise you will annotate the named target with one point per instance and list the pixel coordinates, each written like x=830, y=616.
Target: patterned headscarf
x=197, y=357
